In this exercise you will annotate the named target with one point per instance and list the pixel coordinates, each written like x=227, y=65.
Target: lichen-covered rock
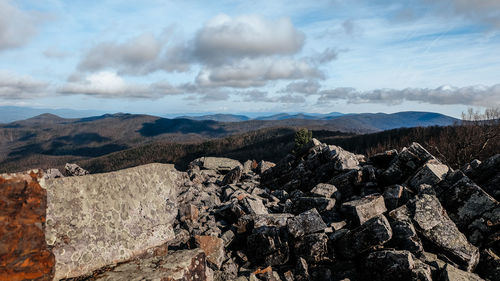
x=361, y=210
x=213, y=248
x=219, y=164
x=101, y=219
x=268, y=246
x=325, y=190
x=52, y=174
x=396, y=196
x=407, y=162
x=451, y=273
x=233, y=176
x=306, y=223
x=432, y=222
x=302, y=204
x=431, y=173
x=263, y=166
x=487, y=175
x=312, y=247
x=375, y=232
x=186, y=265
x=72, y=170
x=394, y=265
x=24, y=254
x=383, y=159
x=279, y=220
x=489, y=265
x=404, y=237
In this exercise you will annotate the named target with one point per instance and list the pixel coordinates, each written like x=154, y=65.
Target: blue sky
x=167, y=57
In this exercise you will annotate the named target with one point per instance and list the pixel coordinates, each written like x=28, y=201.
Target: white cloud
x=309, y=87
x=14, y=86
x=444, y=95
x=17, y=27
x=224, y=38
x=256, y=72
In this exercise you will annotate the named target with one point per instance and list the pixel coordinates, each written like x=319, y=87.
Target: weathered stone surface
x=375, y=232
x=213, y=248
x=268, y=246
x=407, y=161
x=471, y=208
x=489, y=265
x=233, y=176
x=312, y=247
x=186, y=265
x=451, y=273
x=383, y=159
x=279, y=220
x=344, y=160
x=263, y=166
x=101, y=219
x=52, y=174
x=302, y=204
x=347, y=183
x=360, y=211
x=394, y=265
x=218, y=164
x=404, y=237
x=306, y=223
x=72, y=170
x=431, y=173
x=325, y=190
x=23, y=251
x=396, y=196
x=487, y=175
x=254, y=206
x=432, y=222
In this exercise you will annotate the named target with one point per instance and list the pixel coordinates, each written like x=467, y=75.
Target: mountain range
x=48, y=139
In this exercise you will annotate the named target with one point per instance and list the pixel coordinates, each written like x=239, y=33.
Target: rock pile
x=322, y=214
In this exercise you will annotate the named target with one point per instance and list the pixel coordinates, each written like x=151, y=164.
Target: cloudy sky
x=166, y=57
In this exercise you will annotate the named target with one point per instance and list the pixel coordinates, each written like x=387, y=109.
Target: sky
x=174, y=57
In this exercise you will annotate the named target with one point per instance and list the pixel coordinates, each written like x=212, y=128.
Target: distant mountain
x=14, y=113
x=308, y=116
x=217, y=117
x=408, y=119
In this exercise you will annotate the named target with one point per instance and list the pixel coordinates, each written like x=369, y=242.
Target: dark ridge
x=183, y=126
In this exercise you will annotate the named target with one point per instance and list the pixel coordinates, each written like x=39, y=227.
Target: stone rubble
x=324, y=213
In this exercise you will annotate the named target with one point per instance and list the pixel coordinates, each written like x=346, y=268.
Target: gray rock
x=72, y=170
x=325, y=190
x=100, y=219
x=375, y=232
x=404, y=237
x=263, y=166
x=306, y=223
x=268, y=246
x=451, y=273
x=253, y=205
x=395, y=265
x=347, y=183
x=233, y=176
x=487, y=175
x=279, y=220
x=396, y=196
x=361, y=210
x=344, y=160
x=312, y=247
x=432, y=222
x=407, y=162
x=176, y=266
x=52, y=174
x=302, y=204
x=431, y=173
x=489, y=265
x=302, y=270
x=383, y=159
x=472, y=209
x=219, y=164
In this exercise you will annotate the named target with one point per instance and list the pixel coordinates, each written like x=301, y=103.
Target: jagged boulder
x=394, y=265
x=432, y=222
x=361, y=210
x=406, y=163
x=374, y=232
x=306, y=223
x=183, y=265
x=218, y=164
x=73, y=170
x=487, y=175
x=101, y=219
x=269, y=246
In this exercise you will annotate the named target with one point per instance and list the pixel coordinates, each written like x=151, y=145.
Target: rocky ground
x=328, y=214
